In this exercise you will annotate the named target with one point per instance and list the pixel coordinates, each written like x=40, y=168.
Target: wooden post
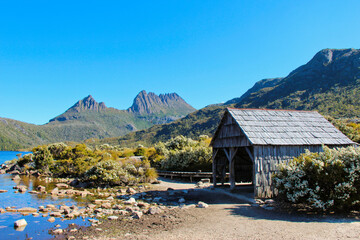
x=214, y=166
x=230, y=156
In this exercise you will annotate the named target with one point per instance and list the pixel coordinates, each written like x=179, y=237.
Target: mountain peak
x=86, y=104
x=150, y=103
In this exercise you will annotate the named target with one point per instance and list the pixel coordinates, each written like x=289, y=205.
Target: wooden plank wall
x=266, y=160
x=230, y=134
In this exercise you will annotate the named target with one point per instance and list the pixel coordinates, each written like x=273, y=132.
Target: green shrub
x=185, y=154
x=328, y=180
x=114, y=172
x=43, y=158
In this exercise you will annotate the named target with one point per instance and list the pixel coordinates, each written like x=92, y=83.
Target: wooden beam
x=214, y=165
x=232, y=154
x=250, y=153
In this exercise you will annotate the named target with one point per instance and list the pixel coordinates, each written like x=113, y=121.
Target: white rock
x=202, y=205
x=130, y=201
x=58, y=231
x=20, y=223
x=113, y=217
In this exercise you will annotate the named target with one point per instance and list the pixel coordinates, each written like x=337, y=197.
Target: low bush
x=184, y=154
x=329, y=180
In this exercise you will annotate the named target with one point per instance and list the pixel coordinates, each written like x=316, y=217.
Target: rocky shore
x=98, y=205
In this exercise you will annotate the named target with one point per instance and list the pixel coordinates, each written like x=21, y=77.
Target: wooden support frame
x=230, y=154
x=214, y=166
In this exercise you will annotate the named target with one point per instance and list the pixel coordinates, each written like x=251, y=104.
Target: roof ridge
x=266, y=109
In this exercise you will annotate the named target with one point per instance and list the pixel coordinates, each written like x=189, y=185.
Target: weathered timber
x=253, y=142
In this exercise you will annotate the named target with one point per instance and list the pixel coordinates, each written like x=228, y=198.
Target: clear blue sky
x=54, y=53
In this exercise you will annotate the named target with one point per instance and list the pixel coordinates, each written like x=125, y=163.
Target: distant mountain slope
x=90, y=119
x=260, y=85
x=203, y=121
x=160, y=109
x=328, y=83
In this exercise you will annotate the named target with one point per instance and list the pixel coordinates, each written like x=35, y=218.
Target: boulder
x=106, y=205
x=27, y=210
x=52, y=206
x=16, y=177
x=41, y=188
x=55, y=214
x=130, y=201
x=202, y=205
x=58, y=231
x=131, y=190
x=137, y=215
x=62, y=185
x=2, y=210
x=55, y=191
x=20, y=223
x=22, y=189
x=154, y=210
x=113, y=217
x=3, y=191
x=143, y=204
x=51, y=219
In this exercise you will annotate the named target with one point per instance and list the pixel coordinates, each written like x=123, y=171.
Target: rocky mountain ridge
x=150, y=103
x=329, y=83
x=88, y=118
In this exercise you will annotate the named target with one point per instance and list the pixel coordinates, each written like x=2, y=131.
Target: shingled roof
x=287, y=127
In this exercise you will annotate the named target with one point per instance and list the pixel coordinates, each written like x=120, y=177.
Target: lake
x=37, y=227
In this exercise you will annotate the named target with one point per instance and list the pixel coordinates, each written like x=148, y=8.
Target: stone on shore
x=131, y=190
x=62, y=185
x=22, y=189
x=55, y=191
x=137, y=215
x=27, y=210
x=202, y=205
x=154, y=210
x=113, y=217
x=20, y=223
x=55, y=214
x=130, y=201
x=41, y=188
x=58, y=231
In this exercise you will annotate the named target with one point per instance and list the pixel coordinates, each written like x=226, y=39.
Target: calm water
x=37, y=227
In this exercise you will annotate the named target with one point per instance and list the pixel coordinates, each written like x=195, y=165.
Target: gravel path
x=235, y=218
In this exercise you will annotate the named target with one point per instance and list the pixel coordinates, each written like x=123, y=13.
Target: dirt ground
x=226, y=217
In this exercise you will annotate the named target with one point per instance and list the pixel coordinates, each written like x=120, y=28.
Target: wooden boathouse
x=250, y=143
